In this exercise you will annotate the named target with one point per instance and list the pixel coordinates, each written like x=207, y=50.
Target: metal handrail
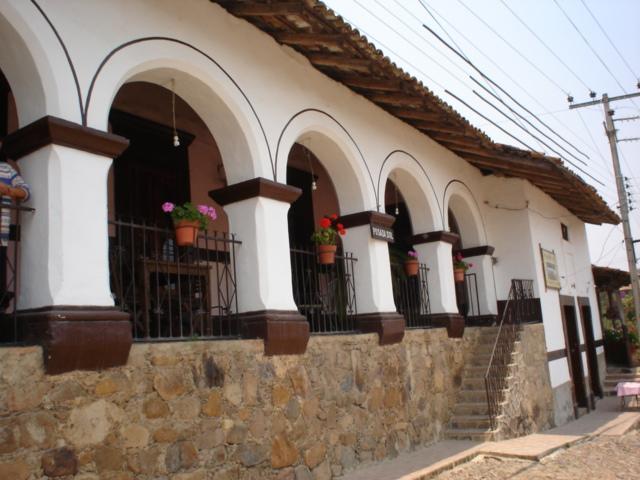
x=496, y=374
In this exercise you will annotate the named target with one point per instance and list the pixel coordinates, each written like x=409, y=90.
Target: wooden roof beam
x=367, y=83
x=398, y=99
x=423, y=114
x=309, y=39
x=263, y=9
x=341, y=61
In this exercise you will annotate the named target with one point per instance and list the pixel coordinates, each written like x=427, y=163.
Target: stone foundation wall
x=221, y=409
x=528, y=404
x=563, y=404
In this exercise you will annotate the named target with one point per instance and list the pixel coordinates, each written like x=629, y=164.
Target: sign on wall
x=380, y=232
x=550, y=269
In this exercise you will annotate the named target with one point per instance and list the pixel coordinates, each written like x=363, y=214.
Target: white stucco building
x=268, y=99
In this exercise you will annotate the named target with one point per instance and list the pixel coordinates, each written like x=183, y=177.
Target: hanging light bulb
x=314, y=186
x=397, y=211
x=176, y=139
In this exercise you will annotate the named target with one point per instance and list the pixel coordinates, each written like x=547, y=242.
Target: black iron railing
x=473, y=298
x=325, y=294
x=512, y=317
x=11, y=332
x=411, y=295
x=174, y=292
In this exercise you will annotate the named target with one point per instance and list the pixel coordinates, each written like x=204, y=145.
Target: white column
x=437, y=255
x=372, y=271
x=263, y=263
x=483, y=268
x=64, y=244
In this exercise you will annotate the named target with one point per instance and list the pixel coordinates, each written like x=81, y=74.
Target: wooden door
x=592, y=358
x=572, y=340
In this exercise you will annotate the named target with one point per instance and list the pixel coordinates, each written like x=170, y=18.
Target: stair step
x=470, y=422
x=471, y=408
x=478, y=434
x=473, y=383
x=472, y=396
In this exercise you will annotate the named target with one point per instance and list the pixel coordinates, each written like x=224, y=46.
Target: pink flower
x=168, y=207
x=211, y=212
x=469, y=265
x=412, y=253
x=203, y=209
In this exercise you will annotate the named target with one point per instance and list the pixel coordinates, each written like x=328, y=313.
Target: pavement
x=427, y=462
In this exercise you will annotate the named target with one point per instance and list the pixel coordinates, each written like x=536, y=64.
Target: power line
x=506, y=93
x=592, y=49
x=545, y=45
x=438, y=23
x=595, y=19
x=518, y=52
x=506, y=74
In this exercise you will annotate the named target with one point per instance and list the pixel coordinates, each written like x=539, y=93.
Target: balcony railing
x=174, y=292
x=11, y=332
x=325, y=294
x=411, y=295
x=471, y=291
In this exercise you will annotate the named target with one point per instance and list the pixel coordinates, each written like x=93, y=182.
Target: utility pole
x=622, y=194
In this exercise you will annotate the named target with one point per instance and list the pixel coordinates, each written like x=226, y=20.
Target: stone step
x=476, y=434
x=471, y=408
x=472, y=396
x=465, y=422
x=622, y=377
x=473, y=383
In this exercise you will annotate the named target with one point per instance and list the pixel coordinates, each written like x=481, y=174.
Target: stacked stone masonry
x=528, y=403
x=204, y=410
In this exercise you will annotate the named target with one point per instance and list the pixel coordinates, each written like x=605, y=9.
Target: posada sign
x=380, y=232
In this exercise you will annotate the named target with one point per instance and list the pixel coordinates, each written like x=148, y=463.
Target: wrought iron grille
x=11, y=332
x=325, y=294
x=471, y=291
x=411, y=295
x=511, y=320
x=174, y=292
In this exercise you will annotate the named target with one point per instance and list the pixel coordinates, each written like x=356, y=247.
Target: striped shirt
x=10, y=177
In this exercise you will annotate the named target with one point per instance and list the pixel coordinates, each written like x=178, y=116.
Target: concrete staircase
x=619, y=374
x=470, y=419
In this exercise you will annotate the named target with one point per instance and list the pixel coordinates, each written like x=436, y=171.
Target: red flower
x=325, y=223
x=342, y=232
x=339, y=226
x=334, y=217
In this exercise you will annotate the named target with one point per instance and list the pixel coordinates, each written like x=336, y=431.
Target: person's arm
x=18, y=190
x=17, y=193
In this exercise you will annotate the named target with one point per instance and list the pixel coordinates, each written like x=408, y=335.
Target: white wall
x=258, y=98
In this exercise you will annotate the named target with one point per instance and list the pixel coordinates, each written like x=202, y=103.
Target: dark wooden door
x=575, y=357
x=592, y=358
x=150, y=171
x=300, y=216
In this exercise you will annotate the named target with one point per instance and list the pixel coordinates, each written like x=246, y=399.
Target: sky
x=538, y=52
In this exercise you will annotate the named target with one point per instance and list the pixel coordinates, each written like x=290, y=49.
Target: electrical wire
x=592, y=49
x=577, y=77
x=604, y=32
x=517, y=51
x=437, y=23
x=507, y=93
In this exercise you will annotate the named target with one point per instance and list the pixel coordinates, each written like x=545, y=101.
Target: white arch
x=337, y=151
x=412, y=181
x=462, y=203
x=203, y=84
x=35, y=66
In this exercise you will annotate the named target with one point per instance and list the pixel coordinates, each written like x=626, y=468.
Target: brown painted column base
x=284, y=332
x=388, y=325
x=453, y=321
x=79, y=338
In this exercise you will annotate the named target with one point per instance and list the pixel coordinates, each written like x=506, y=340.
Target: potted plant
x=326, y=238
x=188, y=219
x=460, y=267
x=411, y=265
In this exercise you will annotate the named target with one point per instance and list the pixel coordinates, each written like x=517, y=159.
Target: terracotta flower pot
x=186, y=232
x=326, y=254
x=411, y=267
x=458, y=275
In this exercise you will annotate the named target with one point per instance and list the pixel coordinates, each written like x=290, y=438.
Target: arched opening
x=10, y=212
x=324, y=292
x=409, y=281
x=462, y=222
x=171, y=289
